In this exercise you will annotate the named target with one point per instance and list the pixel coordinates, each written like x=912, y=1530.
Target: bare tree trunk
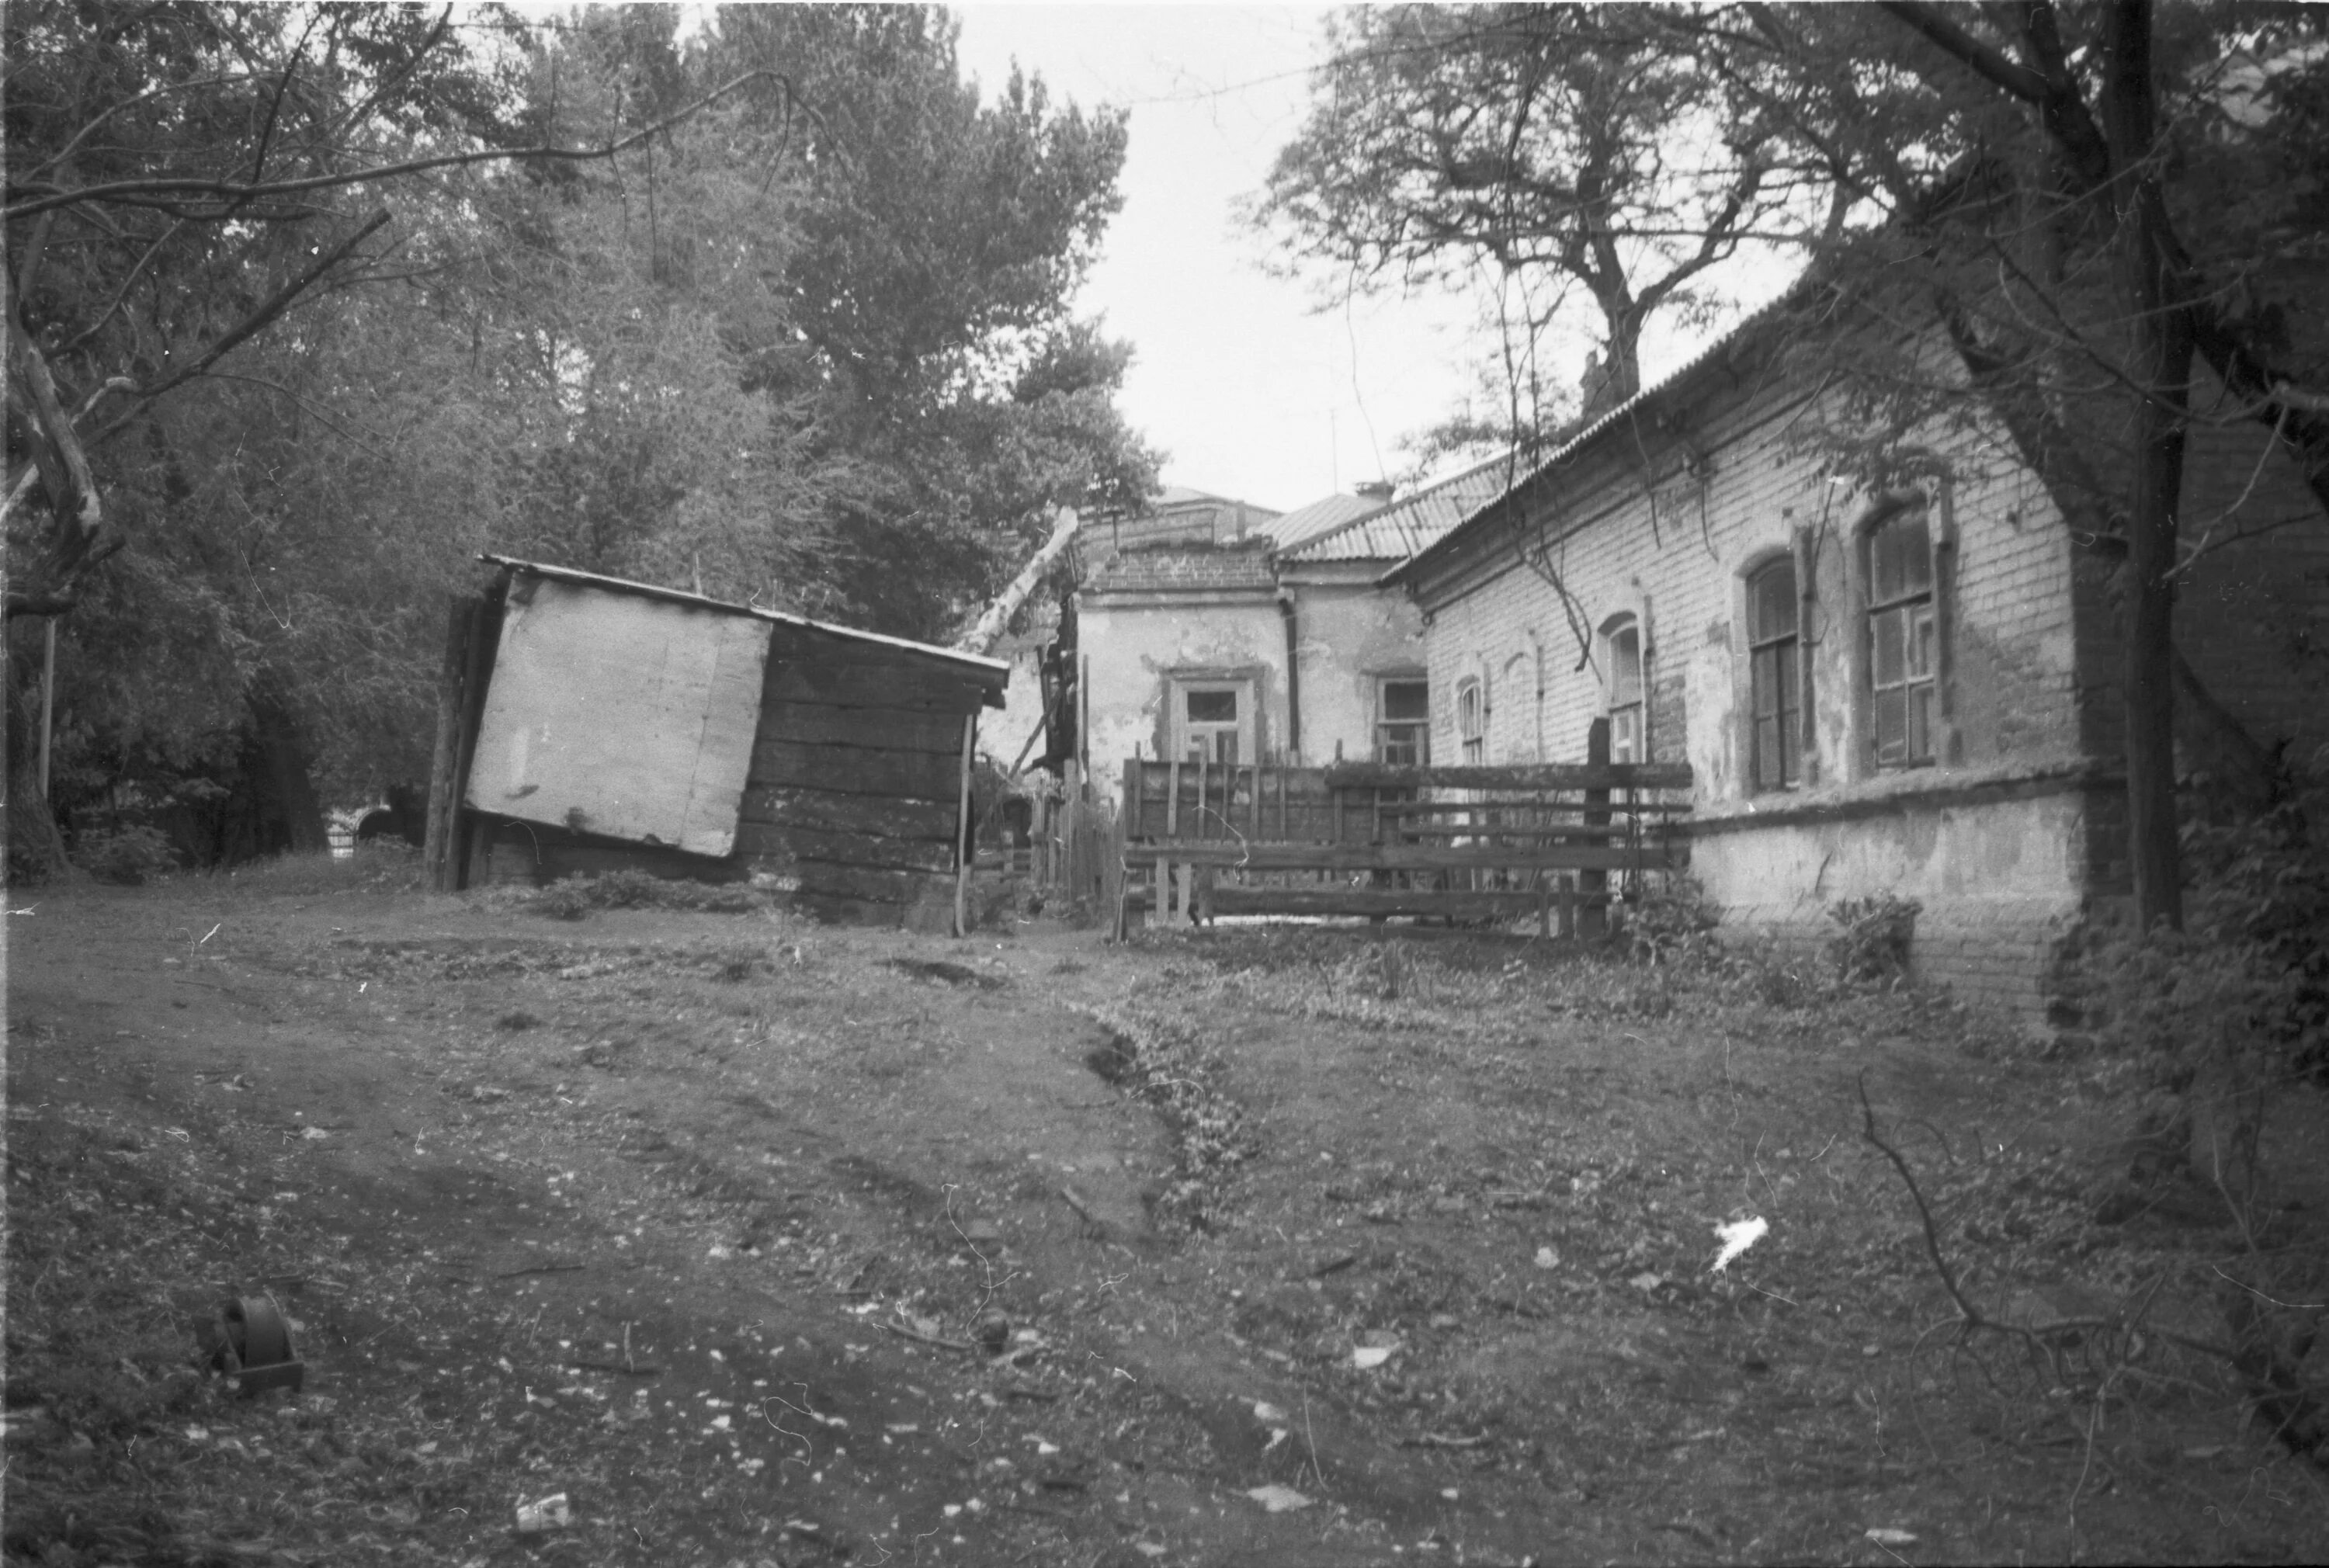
x=2159, y=330
x=989, y=629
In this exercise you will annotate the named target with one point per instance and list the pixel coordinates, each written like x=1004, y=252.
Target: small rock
x=993, y=1332
x=982, y=1232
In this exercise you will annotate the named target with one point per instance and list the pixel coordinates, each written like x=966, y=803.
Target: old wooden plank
x=1356, y=857
x=1670, y=776
x=835, y=811
x=1371, y=902
x=777, y=844
x=874, y=726
x=922, y=775
x=862, y=685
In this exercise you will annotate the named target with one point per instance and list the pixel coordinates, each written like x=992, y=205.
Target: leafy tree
x=2078, y=204
x=1572, y=148
x=582, y=333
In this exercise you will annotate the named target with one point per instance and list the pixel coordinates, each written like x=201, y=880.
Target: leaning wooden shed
x=590, y=723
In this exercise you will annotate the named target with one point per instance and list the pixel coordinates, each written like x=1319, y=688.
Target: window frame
x=1774, y=669
x=1907, y=621
x=1472, y=720
x=1193, y=736
x=1418, y=737
x=1629, y=739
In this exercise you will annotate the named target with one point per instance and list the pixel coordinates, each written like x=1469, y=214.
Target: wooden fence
x=1462, y=843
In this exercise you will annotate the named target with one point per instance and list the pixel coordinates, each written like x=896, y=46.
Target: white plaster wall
x=1350, y=635
x=1131, y=648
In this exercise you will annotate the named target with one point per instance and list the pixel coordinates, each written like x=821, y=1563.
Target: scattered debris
x=544, y=1514
x=1736, y=1236
x=1278, y=1499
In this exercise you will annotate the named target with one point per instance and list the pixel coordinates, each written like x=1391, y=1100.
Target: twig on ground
x=1972, y=1315
x=907, y=1331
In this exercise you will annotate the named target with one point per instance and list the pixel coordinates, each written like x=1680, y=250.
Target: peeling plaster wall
x=1132, y=642
x=1350, y=635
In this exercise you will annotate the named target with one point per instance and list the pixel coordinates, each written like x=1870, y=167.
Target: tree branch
x=236, y=194
x=256, y=321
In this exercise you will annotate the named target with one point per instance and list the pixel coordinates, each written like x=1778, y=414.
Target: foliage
x=1872, y=947
x=1671, y=922
x=1570, y=148
x=782, y=316
x=126, y=855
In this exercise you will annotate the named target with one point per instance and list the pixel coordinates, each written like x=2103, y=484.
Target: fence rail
x=1203, y=838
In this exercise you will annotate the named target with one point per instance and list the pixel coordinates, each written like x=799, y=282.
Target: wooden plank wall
x=854, y=787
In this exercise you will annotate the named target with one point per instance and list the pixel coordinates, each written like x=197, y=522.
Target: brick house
x=1913, y=692
x=1274, y=641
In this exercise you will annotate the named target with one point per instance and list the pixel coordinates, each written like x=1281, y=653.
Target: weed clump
x=1872, y=947
x=575, y=898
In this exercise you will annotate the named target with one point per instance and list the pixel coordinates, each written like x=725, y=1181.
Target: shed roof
x=992, y=671
x=1397, y=530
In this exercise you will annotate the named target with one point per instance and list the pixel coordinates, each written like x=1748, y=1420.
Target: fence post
x=1594, y=918
x=437, y=843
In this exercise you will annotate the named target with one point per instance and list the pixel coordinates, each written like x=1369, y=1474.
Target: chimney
x=1594, y=392
x=1377, y=490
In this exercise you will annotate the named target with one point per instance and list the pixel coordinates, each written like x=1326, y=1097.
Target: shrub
x=1671, y=923
x=1873, y=945
x=127, y=855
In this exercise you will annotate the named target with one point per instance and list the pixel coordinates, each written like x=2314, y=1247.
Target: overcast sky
x=1249, y=390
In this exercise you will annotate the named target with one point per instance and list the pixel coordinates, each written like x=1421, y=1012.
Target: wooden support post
x=1568, y=905
x=1173, y=799
x=1596, y=921
x=1187, y=872
x=436, y=845
x=965, y=851
x=1197, y=828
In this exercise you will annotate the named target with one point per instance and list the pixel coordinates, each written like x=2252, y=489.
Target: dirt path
x=698, y=1219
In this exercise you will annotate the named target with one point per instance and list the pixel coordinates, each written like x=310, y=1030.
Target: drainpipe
x=1293, y=680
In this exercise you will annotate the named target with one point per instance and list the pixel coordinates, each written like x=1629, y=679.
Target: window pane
x=1763, y=694
x=1401, y=745
x=1899, y=557
x=1766, y=754
x=1920, y=723
x=1626, y=667
x=1406, y=699
x=1920, y=639
x=1771, y=602
x=1626, y=735
x=1888, y=627
x=1468, y=710
x=1891, y=726
x=1784, y=658
x=1212, y=708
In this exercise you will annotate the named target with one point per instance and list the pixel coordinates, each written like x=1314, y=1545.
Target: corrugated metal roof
x=997, y=670
x=1396, y=530
x=1305, y=523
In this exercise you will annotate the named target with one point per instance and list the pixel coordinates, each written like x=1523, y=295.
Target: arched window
x=1900, y=640
x=1622, y=639
x=1472, y=721
x=1774, y=681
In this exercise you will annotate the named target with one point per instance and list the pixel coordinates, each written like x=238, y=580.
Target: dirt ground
x=770, y=1243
